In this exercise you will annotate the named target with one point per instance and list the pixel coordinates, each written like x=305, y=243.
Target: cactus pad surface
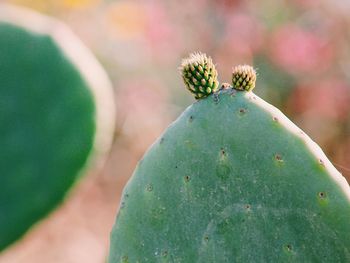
x=233, y=180
x=48, y=119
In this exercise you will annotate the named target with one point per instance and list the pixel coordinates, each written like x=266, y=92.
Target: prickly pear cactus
x=56, y=116
x=233, y=180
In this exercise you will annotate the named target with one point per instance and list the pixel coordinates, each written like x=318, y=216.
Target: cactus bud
x=243, y=77
x=199, y=75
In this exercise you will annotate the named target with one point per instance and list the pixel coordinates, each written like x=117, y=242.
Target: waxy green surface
x=47, y=128
x=227, y=182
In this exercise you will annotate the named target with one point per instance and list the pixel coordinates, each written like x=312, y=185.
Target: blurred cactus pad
x=233, y=180
x=52, y=118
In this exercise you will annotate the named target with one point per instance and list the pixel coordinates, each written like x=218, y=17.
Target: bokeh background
x=300, y=48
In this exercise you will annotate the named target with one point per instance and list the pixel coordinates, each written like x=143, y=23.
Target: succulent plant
x=56, y=112
x=233, y=180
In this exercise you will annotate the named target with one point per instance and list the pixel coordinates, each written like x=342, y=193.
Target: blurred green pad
x=47, y=128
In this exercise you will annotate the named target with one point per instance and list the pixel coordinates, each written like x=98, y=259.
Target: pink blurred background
x=300, y=48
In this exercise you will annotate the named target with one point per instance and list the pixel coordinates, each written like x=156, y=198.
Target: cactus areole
x=233, y=180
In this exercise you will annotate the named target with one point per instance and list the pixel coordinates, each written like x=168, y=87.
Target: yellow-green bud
x=243, y=77
x=199, y=75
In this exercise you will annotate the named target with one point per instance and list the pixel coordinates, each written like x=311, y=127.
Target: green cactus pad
x=49, y=117
x=233, y=180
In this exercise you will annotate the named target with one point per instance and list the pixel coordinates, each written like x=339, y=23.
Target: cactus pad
x=49, y=117
x=199, y=75
x=233, y=180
